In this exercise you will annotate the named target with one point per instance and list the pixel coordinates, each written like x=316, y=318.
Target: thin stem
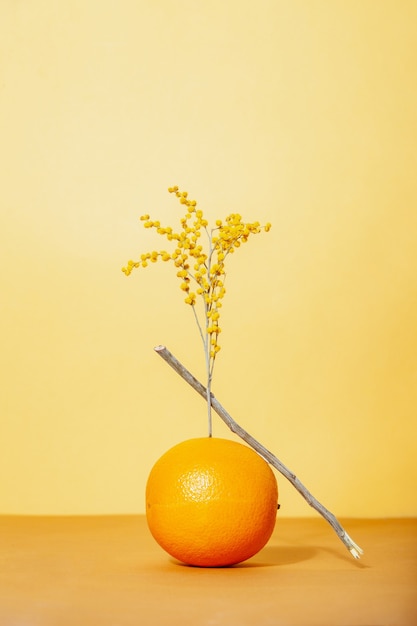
x=353, y=548
x=208, y=391
x=209, y=371
x=200, y=330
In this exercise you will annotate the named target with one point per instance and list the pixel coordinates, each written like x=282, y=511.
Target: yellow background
x=302, y=113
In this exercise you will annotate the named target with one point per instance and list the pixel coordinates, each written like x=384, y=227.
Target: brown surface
x=59, y=571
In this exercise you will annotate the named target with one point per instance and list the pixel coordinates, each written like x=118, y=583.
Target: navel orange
x=211, y=502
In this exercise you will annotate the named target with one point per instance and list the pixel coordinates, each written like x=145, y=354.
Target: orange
x=211, y=502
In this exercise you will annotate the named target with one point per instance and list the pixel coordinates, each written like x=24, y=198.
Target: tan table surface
x=107, y=570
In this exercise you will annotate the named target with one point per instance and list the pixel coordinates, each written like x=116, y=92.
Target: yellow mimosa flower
x=207, y=268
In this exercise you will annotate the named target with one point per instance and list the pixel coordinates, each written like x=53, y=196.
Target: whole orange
x=211, y=502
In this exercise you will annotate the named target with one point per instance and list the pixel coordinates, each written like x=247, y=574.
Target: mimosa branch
x=353, y=548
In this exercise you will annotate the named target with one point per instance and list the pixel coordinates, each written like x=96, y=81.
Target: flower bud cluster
x=201, y=270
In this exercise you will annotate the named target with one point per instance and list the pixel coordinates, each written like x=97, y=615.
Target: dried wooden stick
x=353, y=548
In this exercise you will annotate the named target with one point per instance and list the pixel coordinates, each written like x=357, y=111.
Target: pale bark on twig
x=353, y=548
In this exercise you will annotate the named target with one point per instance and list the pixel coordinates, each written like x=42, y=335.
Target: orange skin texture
x=211, y=502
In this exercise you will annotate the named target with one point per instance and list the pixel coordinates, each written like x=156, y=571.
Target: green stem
x=209, y=416
x=209, y=373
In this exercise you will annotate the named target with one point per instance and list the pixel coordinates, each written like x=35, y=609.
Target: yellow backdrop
x=299, y=113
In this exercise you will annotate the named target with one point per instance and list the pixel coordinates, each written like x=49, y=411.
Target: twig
x=353, y=548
